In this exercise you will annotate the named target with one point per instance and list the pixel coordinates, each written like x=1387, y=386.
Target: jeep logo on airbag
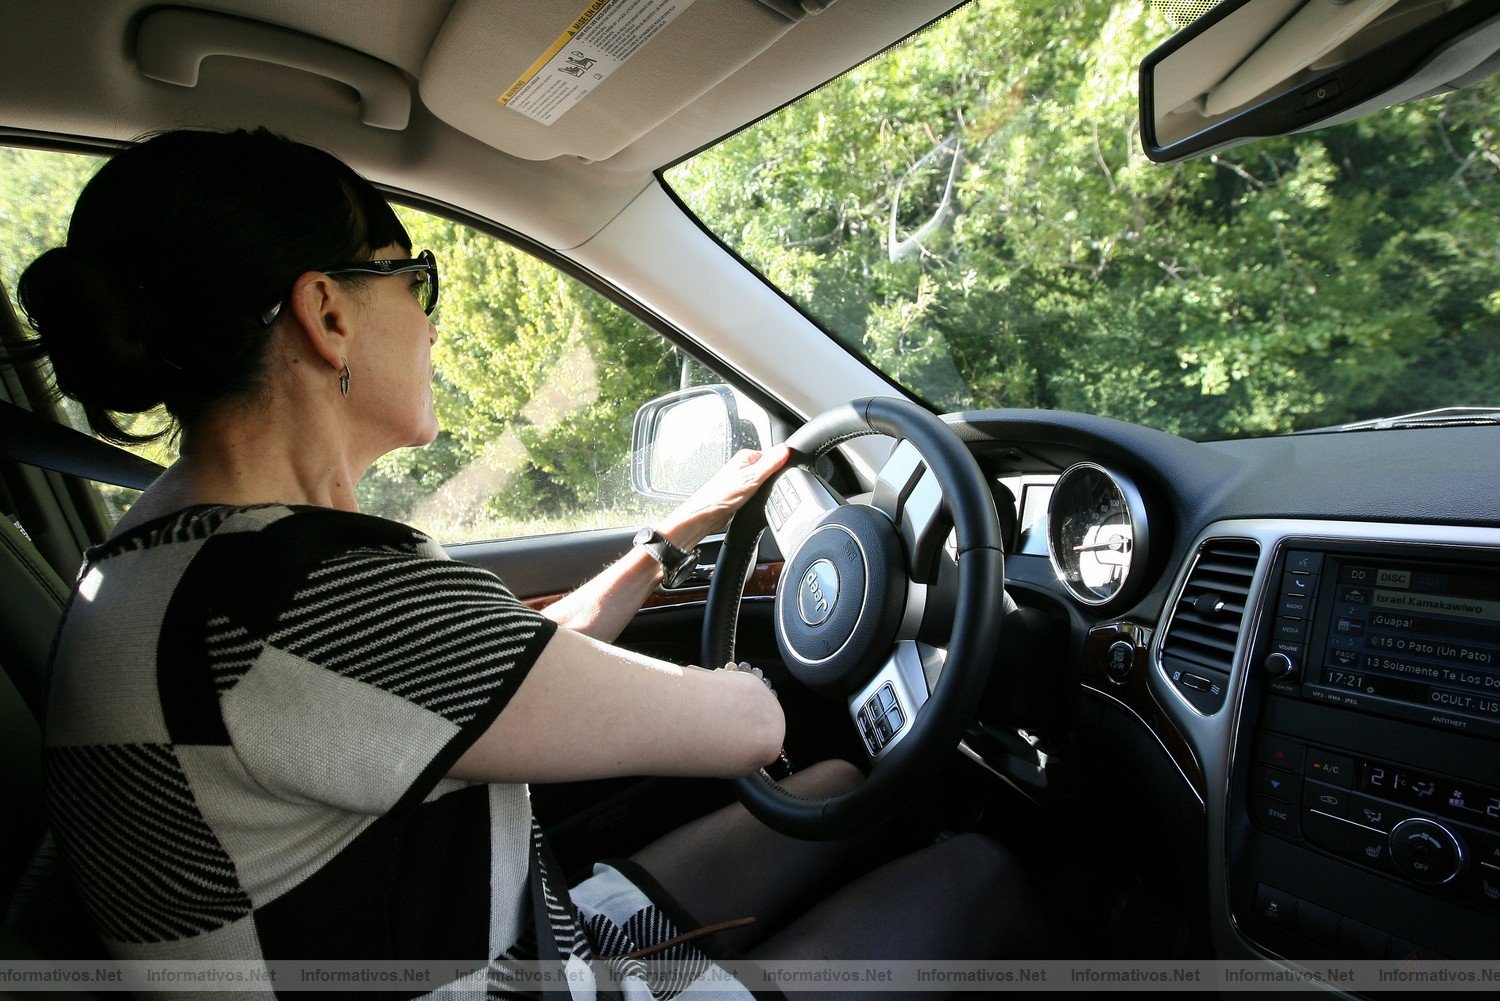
x=818, y=593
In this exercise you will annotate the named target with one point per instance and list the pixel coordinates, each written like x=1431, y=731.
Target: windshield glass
x=972, y=213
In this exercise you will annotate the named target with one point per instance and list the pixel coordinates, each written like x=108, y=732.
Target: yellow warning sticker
x=598, y=42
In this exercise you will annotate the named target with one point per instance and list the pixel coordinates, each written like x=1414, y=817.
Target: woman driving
x=281, y=729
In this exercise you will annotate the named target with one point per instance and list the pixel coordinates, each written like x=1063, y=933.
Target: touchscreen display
x=1427, y=636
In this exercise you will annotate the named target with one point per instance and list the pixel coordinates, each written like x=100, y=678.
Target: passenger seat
x=43, y=915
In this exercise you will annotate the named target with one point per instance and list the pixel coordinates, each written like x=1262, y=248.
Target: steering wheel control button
x=818, y=592
x=1279, y=752
x=1335, y=769
x=880, y=719
x=1277, y=784
x=1121, y=660
x=1426, y=851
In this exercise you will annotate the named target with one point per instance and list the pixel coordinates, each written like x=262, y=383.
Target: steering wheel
x=851, y=600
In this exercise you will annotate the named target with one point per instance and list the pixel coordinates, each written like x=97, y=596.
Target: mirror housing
x=1249, y=69
x=679, y=440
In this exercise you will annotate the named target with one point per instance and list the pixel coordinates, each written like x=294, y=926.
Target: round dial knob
x=1281, y=666
x=1426, y=851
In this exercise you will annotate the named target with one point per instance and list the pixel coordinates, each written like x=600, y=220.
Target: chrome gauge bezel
x=1135, y=511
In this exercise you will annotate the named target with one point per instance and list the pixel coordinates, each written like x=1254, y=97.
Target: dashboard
x=1311, y=638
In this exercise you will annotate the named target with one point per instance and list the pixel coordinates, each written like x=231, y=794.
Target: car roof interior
x=101, y=74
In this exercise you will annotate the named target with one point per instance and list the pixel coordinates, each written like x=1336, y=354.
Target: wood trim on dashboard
x=762, y=584
x=1134, y=691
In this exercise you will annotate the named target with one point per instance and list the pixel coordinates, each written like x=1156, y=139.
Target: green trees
x=1289, y=283
x=1298, y=282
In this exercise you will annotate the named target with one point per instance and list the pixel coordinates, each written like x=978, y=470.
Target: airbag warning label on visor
x=596, y=44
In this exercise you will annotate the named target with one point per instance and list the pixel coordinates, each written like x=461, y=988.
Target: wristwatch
x=677, y=565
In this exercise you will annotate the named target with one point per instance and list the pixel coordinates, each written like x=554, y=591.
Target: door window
x=536, y=378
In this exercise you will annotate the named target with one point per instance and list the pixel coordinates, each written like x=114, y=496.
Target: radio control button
x=1281, y=667
x=1290, y=630
x=1426, y=851
x=1277, y=784
x=1279, y=752
x=1295, y=606
x=1304, y=562
x=1328, y=833
x=1362, y=576
x=1299, y=583
x=1326, y=799
x=1335, y=769
x=1354, y=595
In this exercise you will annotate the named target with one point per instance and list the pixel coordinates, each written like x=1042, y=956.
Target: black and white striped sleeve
x=381, y=670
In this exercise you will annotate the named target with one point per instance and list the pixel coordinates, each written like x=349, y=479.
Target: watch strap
x=665, y=552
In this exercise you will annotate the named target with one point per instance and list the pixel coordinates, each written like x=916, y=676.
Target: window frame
x=88, y=523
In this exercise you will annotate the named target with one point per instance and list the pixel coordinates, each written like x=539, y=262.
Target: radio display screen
x=1423, y=636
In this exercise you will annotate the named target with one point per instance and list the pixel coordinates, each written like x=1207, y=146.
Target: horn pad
x=841, y=599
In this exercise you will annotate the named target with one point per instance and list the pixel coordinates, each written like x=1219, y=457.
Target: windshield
x=972, y=213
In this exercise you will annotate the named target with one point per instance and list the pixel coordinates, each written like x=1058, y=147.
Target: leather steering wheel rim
x=978, y=611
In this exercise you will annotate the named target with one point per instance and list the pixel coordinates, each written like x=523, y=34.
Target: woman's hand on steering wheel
x=853, y=598
x=712, y=505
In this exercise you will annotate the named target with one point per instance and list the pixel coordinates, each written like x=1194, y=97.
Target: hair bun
x=89, y=318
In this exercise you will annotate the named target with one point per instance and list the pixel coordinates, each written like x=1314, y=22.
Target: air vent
x=1197, y=650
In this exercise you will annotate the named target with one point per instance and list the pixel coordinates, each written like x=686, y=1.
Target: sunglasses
x=426, y=290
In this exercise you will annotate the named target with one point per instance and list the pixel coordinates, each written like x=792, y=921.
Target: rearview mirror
x=1254, y=68
x=679, y=440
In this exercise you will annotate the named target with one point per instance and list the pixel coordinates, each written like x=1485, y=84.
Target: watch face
x=644, y=536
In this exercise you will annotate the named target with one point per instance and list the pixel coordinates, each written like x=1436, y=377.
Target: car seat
x=43, y=916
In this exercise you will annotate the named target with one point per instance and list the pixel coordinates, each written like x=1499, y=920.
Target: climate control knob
x=1426, y=851
x=1281, y=667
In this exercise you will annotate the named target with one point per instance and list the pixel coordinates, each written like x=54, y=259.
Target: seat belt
x=36, y=441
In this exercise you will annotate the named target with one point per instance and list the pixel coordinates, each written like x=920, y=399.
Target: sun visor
x=585, y=78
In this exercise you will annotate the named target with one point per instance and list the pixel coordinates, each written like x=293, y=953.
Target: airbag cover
x=840, y=601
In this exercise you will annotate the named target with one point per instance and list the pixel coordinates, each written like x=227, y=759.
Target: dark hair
x=177, y=247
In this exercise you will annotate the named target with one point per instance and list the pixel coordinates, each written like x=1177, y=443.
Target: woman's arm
x=603, y=606
x=588, y=710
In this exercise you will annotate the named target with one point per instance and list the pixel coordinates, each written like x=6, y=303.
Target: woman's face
x=390, y=362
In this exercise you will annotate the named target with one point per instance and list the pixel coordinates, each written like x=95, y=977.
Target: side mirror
x=1249, y=69
x=679, y=440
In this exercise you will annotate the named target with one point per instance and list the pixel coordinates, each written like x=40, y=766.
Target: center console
x=1363, y=813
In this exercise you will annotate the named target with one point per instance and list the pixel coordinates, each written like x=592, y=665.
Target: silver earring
x=344, y=379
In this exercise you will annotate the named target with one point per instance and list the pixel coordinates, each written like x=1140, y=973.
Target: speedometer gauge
x=1096, y=532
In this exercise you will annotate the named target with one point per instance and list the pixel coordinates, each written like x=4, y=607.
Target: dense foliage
x=1345, y=273
x=1300, y=282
